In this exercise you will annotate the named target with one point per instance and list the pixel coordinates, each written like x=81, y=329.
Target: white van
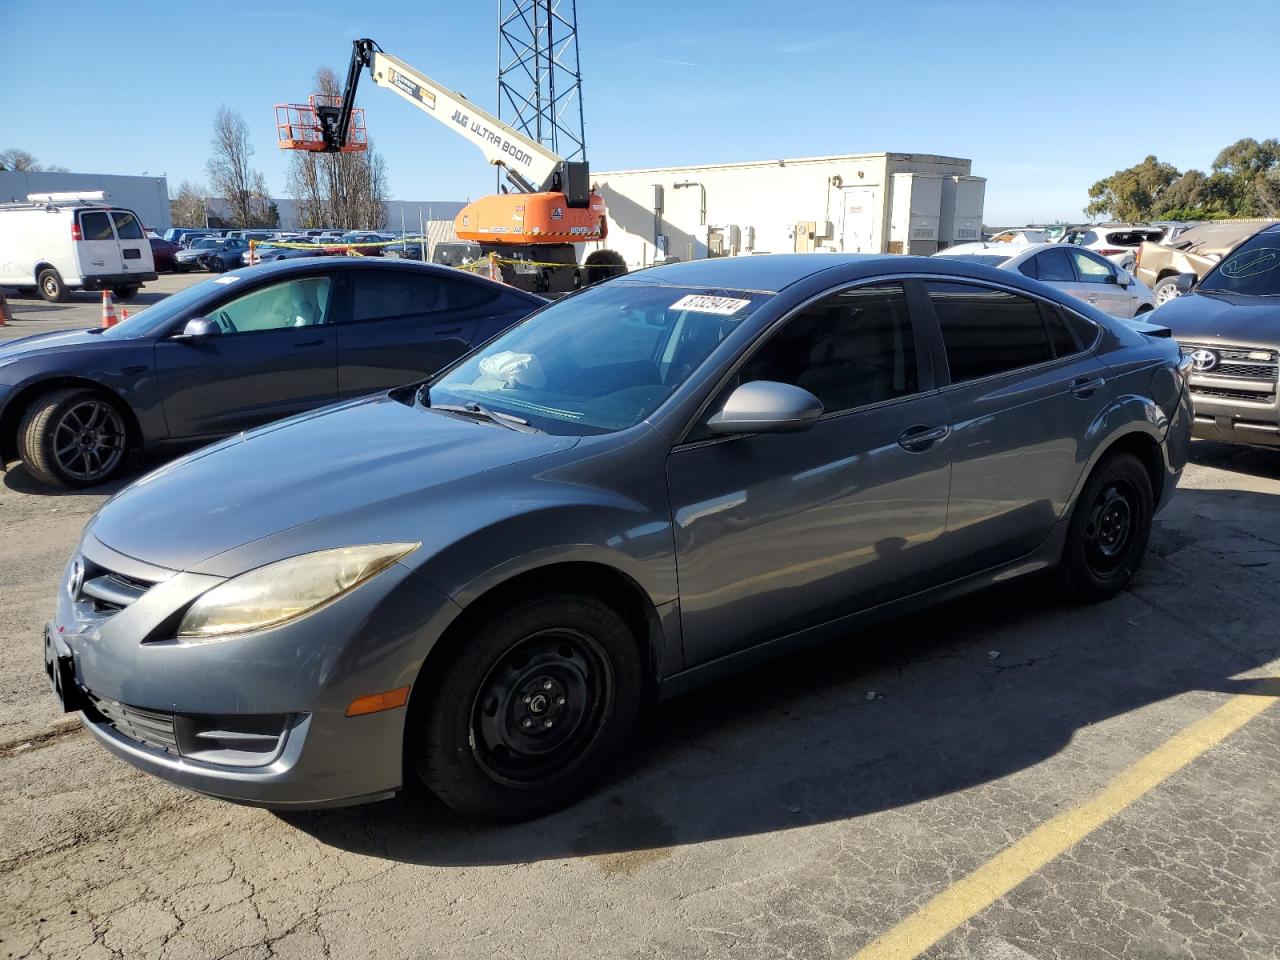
x=57, y=242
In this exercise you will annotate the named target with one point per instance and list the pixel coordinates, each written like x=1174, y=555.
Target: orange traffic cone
x=494, y=272
x=124, y=315
x=4, y=310
x=108, y=310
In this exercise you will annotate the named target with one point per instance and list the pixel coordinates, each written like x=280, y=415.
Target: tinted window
x=386, y=295
x=849, y=350
x=1089, y=238
x=1055, y=267
x=1132, y=238
x=127, y=226
x=95, y=226
x=295, y=303
x=1064, y=344
x=1252, y=269
x=1093, y=269
x=1028, y=268
x=988, y=331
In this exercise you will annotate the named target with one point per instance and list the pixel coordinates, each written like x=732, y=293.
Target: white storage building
x=148, y=197
x=854, y=203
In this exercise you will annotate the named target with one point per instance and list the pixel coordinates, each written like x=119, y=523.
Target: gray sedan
x=478, y=579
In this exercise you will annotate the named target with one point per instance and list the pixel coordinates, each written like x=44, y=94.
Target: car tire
x=523, y=715
x=1165, y=290
x=50, y=423
x=603, y=265
x=1144, y=309
x=1109, y=529
x=217, y=265
x=126, y=291
x=49, y=283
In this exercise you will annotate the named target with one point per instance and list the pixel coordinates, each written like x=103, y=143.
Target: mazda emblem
x=1204, y=360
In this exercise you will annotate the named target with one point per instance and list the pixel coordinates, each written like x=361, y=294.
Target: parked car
x=1197, y=251
x=641, y=487
x=1118, y=242
x=1075, y=271
x=178, y=234
x=225, y=253
x=234, y=352
x=54, y=243
x=1021, y=235
x=189, y=258
x=162, y=253
x=1228, y=325
x=373, y=242
x=269, y=252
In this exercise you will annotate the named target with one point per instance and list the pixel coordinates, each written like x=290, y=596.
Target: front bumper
x=150, y=699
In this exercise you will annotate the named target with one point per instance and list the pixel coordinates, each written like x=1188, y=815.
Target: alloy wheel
x=89, y=440
x=540, y=707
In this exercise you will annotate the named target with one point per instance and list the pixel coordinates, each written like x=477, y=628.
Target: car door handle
x=308, y=343
x=920, y=438
x=1086, y=386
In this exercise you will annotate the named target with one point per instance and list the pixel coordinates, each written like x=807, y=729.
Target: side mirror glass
x=199, y=328
x=766, y=406
x=1186, y=282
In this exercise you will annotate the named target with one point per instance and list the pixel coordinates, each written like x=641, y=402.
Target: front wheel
x=1166, y=290
x=217, y=265
x=528, y=710
x=1109, y=529
x=72, y=438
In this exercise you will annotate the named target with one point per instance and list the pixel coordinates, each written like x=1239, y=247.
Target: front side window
x=303, y=302
x=1252, y=269
x=599, y=361
x=127, y=226
x=1092, y=269
x=96, y=225
x=850, y=350
x=987, y=331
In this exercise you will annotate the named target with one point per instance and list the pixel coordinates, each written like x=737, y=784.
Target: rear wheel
x=1109, y=529
x=603, y=264
x=1165, y=290
x=126, y=291
x=49, y=282
x=72, y=438
x=525, y=713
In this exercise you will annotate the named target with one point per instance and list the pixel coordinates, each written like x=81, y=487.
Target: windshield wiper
x=477, y=412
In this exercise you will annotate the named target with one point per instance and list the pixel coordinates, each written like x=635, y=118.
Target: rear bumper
x=101, y=280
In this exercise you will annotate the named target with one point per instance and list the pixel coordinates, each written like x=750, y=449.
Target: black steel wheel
x=1109, y=529
x=73, y=438
x=527, y=709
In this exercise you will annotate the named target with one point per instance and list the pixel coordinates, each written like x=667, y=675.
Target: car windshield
x=155, y=318
x=1252, y=269
x=599, y=361
x=204, y=243
x=990, y=259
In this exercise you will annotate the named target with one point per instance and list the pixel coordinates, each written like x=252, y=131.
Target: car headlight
x=287, y=589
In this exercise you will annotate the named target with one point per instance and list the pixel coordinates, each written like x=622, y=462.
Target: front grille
x=1249, y=395
x=1238, y=363
x=109, y=591
x=152, y=727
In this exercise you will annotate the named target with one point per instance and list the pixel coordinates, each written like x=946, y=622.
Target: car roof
x=766, y=273
x=306, y=264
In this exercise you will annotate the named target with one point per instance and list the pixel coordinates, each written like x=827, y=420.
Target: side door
x=1022, y=393
x=97, y=250
x=778, y=532
x=275, y=355
x=135, y=251
x=405, y=324
x=1100, y=280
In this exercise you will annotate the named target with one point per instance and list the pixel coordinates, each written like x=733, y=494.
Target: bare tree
x=338, y=189
x=187, y=207
x=15, y=159
x=230, y=175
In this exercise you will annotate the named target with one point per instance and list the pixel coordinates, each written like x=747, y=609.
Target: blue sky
x=1045, y=97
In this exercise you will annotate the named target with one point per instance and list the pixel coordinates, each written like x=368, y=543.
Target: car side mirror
x=199, y=328
x=1121, y=277
x=766, y=406
x=1186, y=283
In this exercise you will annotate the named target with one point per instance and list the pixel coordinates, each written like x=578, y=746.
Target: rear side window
x=1054, y=266
x=1133, y=238
x=387, y=296
x=127, y=226
x=95, y=225
x=986, y=331
x=1064, y=344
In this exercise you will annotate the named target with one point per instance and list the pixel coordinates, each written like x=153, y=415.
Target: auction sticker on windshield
x=704, y=303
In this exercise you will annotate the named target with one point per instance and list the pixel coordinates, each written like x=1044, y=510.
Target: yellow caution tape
x=352, y=249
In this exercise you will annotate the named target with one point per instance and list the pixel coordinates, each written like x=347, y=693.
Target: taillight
x=1137, y=257
x=75, y=230
x=1111, y=251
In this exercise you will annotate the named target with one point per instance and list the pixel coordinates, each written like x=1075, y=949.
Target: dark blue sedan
x=234, y=352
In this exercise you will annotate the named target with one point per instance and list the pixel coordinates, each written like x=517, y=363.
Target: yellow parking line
x=995, y=878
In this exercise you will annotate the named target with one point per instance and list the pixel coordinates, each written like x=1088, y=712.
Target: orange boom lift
x=552, y=205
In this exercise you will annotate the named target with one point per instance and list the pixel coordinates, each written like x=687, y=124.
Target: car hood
x=1225, y=317
x=309, y=470
x=40, y=342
